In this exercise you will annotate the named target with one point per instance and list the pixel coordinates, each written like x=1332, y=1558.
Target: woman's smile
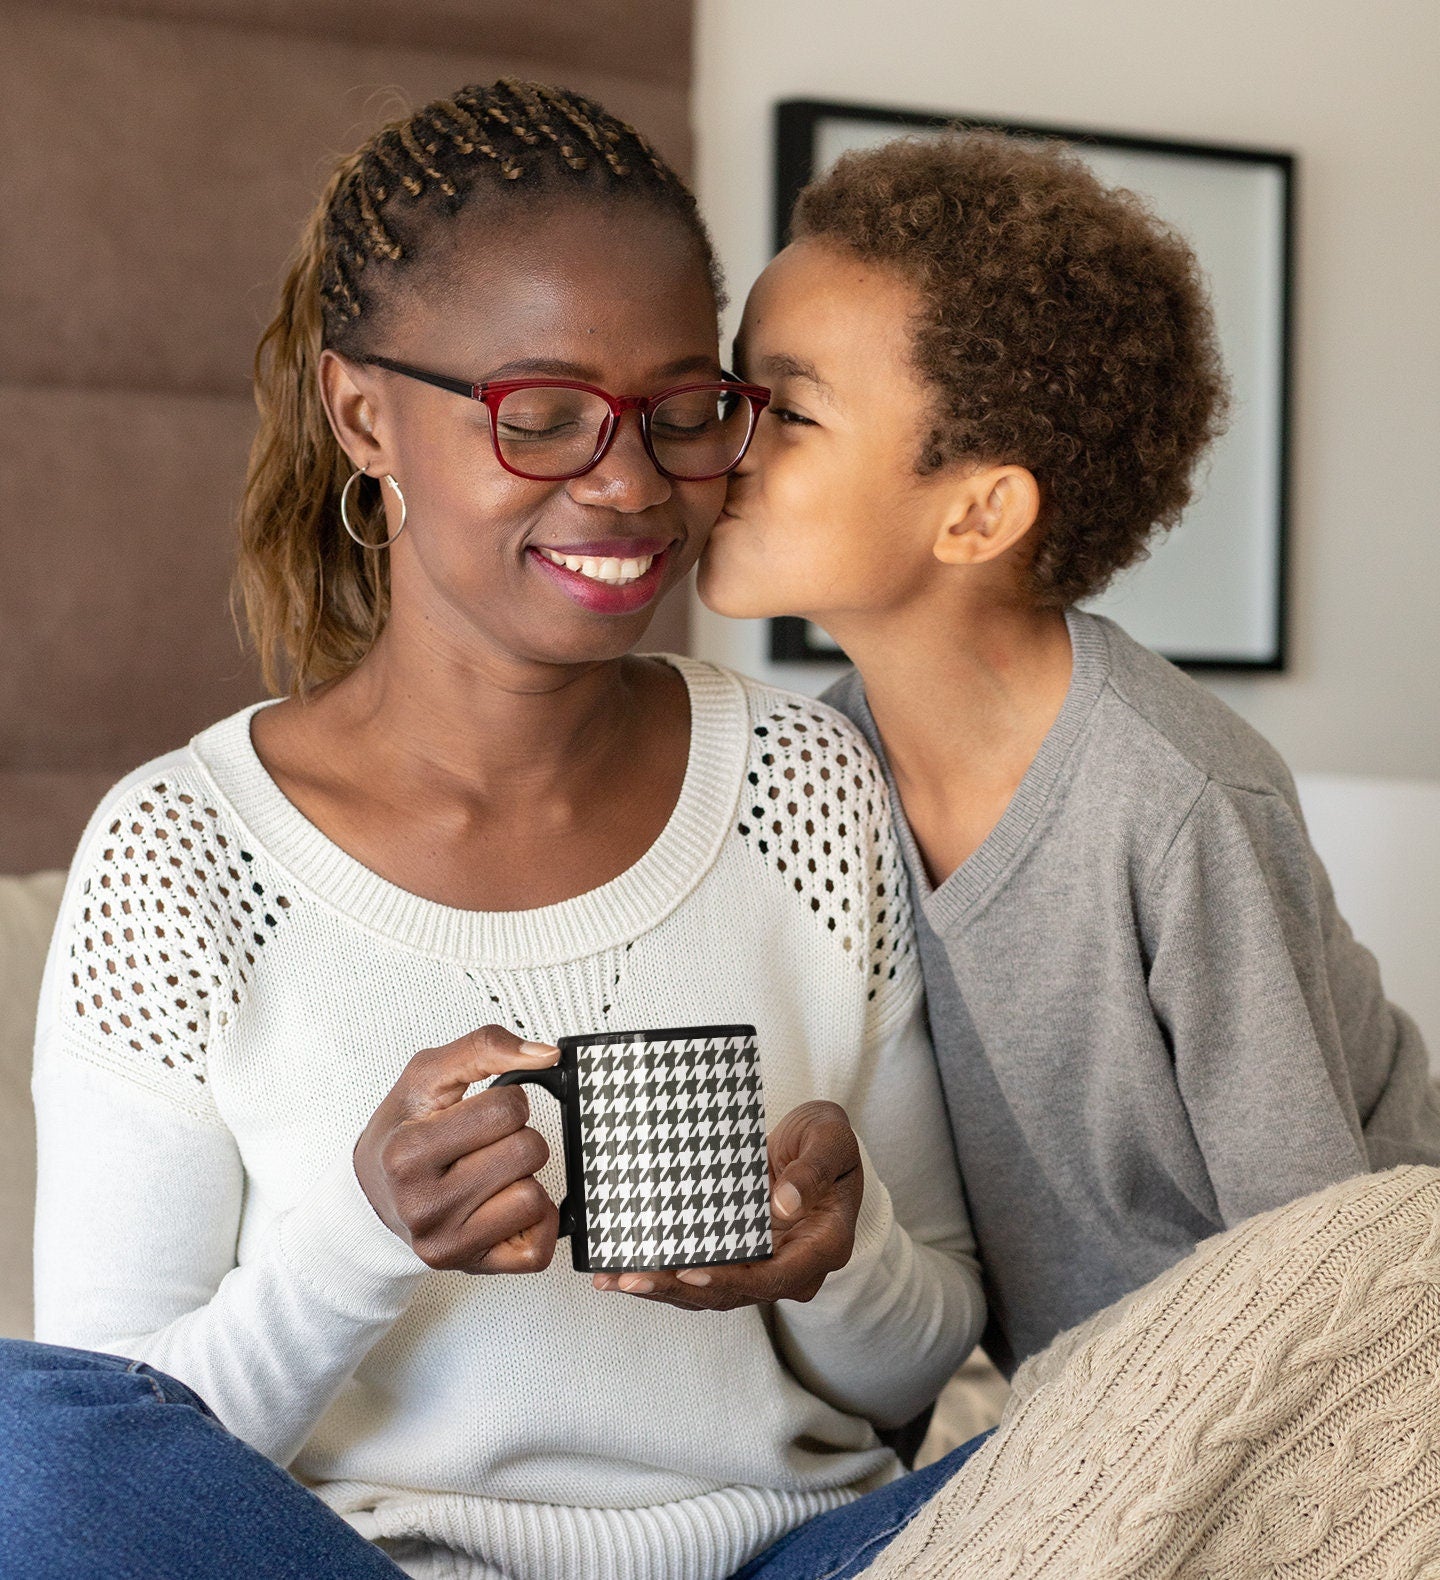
x=609, y=575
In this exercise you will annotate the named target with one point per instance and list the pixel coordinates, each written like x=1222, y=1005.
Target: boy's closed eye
x=778, y=366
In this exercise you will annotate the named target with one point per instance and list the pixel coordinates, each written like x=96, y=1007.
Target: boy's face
x=827, y=517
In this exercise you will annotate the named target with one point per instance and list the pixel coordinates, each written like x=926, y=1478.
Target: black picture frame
x=798, y=126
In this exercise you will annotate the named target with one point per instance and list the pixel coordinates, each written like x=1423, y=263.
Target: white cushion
x=1380, y=841
x=27, y=918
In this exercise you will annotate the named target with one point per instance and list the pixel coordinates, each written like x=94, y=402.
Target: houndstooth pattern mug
x=665, y=1157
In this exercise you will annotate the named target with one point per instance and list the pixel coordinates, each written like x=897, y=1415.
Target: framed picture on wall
x=1212, y=595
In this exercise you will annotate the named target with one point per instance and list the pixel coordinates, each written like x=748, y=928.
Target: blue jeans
x=840, y=1544
x=111, y=1470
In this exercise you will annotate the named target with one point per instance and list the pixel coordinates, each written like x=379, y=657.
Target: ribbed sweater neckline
x=631, y=903
x=947, y=906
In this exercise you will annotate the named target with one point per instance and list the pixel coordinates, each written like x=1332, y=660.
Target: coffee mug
x=665, y=1159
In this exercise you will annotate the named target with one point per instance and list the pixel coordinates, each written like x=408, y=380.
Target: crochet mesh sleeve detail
x=815, y=808
x=168, y=918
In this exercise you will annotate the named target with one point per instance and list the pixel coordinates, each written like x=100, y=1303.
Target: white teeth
x=614, y=572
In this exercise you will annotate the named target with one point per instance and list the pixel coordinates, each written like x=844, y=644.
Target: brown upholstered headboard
x=161, y=158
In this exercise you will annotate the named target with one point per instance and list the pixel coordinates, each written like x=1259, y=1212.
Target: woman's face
x=613, y=296
x=827, y=516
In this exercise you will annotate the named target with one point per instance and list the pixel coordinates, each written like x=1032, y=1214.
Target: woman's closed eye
x=789, y=418
x=522, y=427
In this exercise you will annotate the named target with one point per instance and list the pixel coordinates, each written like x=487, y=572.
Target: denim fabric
x=840, y=1544
x=114, y=1471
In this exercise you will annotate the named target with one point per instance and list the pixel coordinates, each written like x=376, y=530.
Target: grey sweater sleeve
x=1293, y=1068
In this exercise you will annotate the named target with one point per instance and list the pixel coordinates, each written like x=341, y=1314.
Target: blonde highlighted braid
x=313, y=599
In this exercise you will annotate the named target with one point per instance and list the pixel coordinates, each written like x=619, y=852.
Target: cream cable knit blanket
x=1269, y=1407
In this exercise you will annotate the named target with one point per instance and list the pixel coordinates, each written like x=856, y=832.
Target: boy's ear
x=989, y=512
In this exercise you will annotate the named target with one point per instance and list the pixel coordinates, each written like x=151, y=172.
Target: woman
x=472, y=826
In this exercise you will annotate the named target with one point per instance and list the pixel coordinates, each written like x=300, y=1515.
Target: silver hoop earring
x=345, y=511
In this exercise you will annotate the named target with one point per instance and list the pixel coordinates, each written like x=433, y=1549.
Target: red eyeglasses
x=548, y=430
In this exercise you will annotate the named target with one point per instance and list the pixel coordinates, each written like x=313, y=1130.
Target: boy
x=992, y=379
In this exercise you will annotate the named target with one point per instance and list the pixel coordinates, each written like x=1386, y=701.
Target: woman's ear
x=991, y=511
x=350, y=406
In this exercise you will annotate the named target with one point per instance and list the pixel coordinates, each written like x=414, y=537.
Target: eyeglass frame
x=492, y=393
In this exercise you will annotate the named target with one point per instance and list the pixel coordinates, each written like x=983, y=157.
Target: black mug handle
x=555, y=1079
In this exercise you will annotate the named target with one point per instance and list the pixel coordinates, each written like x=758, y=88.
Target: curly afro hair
x=1062, y=327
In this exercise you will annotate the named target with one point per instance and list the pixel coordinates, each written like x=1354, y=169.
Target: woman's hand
x=816, y=1186
x=454, y=1176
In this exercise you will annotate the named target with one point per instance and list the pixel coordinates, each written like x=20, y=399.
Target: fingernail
x=604, y=1281
x=538, y=1050
x=693, y=1275
x=637, y=1286
x=787, y=1200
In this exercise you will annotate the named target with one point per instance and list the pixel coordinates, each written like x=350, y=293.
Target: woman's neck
x=482, y=781
x=962, y=697
x=477, y=724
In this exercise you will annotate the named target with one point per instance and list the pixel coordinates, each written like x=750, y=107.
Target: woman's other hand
x=816, y=1186
x=454, y=1176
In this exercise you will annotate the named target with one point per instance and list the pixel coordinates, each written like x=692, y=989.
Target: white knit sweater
x=230, y=995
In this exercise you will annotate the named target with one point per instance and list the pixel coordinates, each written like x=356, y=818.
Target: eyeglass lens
x=550, y=432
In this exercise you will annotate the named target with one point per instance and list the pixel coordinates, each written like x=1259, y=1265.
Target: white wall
x=1355, y=92
x=1380, y=841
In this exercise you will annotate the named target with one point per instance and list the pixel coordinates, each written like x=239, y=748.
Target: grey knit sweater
x=1151, y=1021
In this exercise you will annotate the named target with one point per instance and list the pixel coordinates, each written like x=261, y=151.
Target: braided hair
x=313, y=599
